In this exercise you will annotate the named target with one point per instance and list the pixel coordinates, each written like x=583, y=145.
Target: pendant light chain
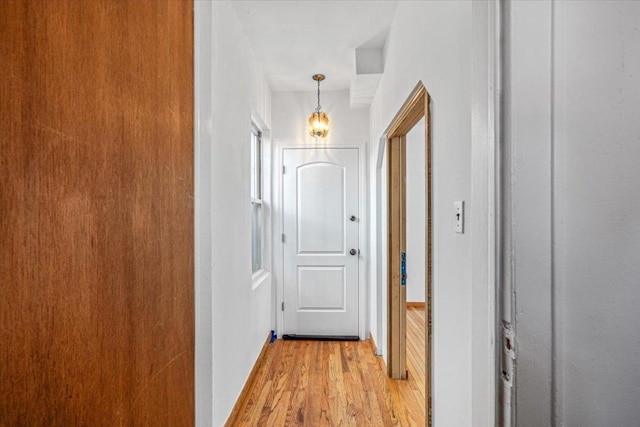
x=318, y=108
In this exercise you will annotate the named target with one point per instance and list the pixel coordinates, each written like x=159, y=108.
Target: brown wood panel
x=96, y=208
x=409, y=114
x=402, y=303
x=415, y=304
x=397, y=294
x=394, y=293
x=429, y=253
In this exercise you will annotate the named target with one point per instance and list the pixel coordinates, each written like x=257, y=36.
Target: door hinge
x=283, y=238
x=282, y=305
x=283, y=169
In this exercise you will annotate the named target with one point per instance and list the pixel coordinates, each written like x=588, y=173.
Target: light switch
x=459, y=216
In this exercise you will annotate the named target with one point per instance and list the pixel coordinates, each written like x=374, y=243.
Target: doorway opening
x=415, y=109
x=321, y=220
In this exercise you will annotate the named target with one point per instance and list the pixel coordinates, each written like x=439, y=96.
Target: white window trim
x=259, y=277
x=264, y=274
x=259, y=179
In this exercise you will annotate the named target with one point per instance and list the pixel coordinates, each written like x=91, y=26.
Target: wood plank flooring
x=322, y=383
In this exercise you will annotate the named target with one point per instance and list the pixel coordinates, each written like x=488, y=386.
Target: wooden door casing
x=96, y=208
x=416, y=107
x=396, y=365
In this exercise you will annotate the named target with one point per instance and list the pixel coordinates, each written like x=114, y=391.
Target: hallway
x=180, y=180
x=329, y=383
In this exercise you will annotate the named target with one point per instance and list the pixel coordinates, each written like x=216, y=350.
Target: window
x=256, y=199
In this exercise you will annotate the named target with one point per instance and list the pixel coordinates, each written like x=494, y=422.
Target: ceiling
x=295, y=39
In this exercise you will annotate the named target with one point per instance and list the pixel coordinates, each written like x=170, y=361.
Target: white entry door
x=321, y=242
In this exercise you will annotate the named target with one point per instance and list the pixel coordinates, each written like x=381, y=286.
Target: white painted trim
x=493, y=249
x=381, y=251
x=528, y=156
x=277, y=246
x=257, y=119
x=265, y=273
x=278, y=226
x=363, y=257
x=203, y=232
x=381, y=147
x=485, y=97
x=259, y=277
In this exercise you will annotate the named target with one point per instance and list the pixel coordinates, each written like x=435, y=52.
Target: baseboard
x=295, y=337
x=246, y=390
x=415, y=304
x=374, y=348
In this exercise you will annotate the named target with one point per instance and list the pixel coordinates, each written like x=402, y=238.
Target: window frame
x=257, y=189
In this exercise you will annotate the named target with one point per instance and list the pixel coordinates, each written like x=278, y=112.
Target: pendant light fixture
x=318, y=121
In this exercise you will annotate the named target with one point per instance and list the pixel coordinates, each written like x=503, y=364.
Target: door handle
x=352, y=218
x=353, y=251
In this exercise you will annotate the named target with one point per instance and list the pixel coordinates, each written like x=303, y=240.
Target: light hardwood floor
x=321, y=383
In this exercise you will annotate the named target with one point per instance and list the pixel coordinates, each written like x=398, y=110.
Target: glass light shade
x=318, y=124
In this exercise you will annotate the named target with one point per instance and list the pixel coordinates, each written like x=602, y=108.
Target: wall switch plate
x=459, y=216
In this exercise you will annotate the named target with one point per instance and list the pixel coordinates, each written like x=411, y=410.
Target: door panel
x=321, y=213
x=96, y=208
x=320, y=190
x=321, y=288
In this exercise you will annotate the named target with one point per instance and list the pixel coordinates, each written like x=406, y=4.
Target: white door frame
x=203, y=234
x=278, y=219
x=485, y=209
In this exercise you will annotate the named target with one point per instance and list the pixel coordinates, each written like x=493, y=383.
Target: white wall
x=416, y=213
x=241, y=315
x=431, y=41
x=573, y=129
x=348, y=127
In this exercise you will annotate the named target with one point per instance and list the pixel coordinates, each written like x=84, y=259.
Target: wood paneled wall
x=96, y=213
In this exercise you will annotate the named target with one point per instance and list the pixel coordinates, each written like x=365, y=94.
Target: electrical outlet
x=459, y=216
